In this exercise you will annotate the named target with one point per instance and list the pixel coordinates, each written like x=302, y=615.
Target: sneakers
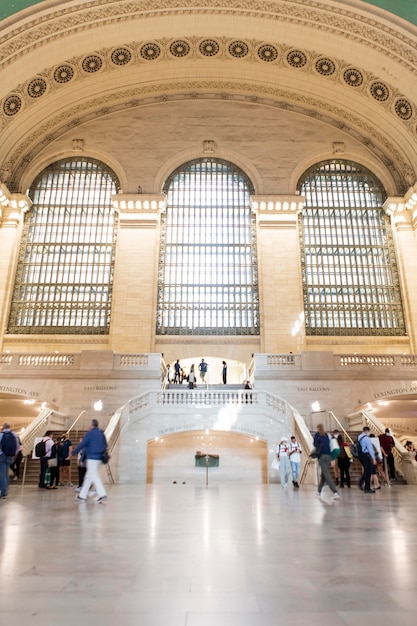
x=70, y=484
x=78, y=499
x=101, y=499
x=78, y=489
x=335, y=496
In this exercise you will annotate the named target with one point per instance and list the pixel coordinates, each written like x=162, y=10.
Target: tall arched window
x=350, y=278
x=65, y=269
x=208, y=281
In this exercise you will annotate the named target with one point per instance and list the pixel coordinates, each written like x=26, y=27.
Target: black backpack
x=356, y=449
x=8, y=443
x=40, y=449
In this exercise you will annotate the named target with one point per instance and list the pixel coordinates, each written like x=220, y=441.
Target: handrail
x=37, y=429
x=331, y=414
x=305, y=438
x=75, y=421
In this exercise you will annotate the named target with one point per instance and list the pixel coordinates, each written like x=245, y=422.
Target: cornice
x=343, y=21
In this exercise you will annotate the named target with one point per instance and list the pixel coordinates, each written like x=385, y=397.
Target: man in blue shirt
x=7, y=454
x=93, y=444
x=367, y=458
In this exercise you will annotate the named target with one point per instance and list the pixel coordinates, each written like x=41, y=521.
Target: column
x=132, y=327
x=403, y=212
x=12, y=210
x=281, y=296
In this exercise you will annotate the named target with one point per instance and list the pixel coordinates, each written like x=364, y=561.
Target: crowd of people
x=333, y=453
x=177, y=375
x=55, y=453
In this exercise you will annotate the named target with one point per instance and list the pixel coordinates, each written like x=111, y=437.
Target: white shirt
x=295, y=456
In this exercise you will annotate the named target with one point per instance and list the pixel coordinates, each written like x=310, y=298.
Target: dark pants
x=54, y=476
x=367, y=464
x=44, y=467
x=344, y=467
x=15, y=466
x=81, y=473
x=391, y=466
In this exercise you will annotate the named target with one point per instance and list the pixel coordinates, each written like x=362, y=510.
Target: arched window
x=349, y=271
x=65, y=270
x=208, y=282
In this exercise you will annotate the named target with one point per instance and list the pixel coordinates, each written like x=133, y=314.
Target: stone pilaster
x=281, y=297
x=12, y=209
x=403, y=213
x=135, y=281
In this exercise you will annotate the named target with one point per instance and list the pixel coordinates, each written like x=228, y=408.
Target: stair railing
x=74, y=423
x=341, y=427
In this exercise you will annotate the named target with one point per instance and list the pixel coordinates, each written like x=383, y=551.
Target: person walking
x=367, y=458
x=388, y=444
x=344, y=461
x=191, y=378
x=322, y=446
x=284, y=461
x=295, y=460
x=9, y=447
x=48, y=443
x=177, y=370
x=224, y=372
x=93, y=444
x=202, y=368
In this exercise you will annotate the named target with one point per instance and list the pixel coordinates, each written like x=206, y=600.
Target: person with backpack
x=9, y=447
x=367, y=459
x=43, y=451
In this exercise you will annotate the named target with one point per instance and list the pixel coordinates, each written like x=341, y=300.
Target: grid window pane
x=208, y=281
x=350, y=276
x=65, y=269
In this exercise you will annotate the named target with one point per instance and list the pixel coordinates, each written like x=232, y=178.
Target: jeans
x=93, y=476
x=295, y=469
x=5, y=462
x=284, y=469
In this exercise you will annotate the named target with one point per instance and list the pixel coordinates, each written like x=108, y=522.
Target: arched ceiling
x=407, y=9
x=65, y=71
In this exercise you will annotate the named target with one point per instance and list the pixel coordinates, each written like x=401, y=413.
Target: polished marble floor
x=180, y=555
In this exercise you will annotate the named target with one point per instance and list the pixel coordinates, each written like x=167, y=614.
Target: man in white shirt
x=295, y=460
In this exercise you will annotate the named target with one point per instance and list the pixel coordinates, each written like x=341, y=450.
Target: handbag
x=316, y=452
x=53, y=462
x=105, y=457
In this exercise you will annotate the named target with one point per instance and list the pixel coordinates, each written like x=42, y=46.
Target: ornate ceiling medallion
x=353, y=77
x=36, y=87
x=238, y=49
x=63, y=74
x=267, y=53
x=325, y=67
x=12, y=105
x=403, y=109
x=179, y=48
x=150, y=51
x=121, y=56
x=296, y=58
x=92, y=63
x=209, y=48
x=379, y=91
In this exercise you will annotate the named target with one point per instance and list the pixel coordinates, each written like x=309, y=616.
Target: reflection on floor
x=181, y=555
